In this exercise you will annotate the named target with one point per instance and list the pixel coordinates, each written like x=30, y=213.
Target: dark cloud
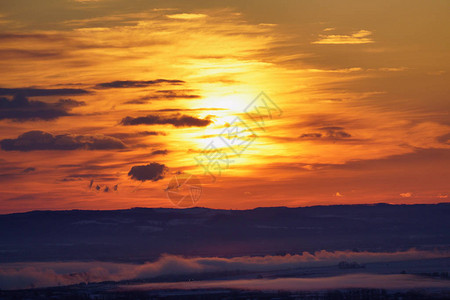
x=188, y=109
x=137, y=101
x=40, y=140
x=21, y=108
x=160, y=152
x=327, y=133
x=165, y=95
x=29, y=169
x=331, y=128
x=311, y=136
x=444, y=139
x=32, y=92
x=152, y=171
x=82, y=177
x=103, y=187
x=173, y=109
x=21, y=53
x=135, y=84
x=328, y=120
x=172, y=94
x=177, y=121
x=37, y=36
x=147, y=133
x=130, y=135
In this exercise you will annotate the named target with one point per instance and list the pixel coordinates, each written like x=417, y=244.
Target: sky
x=112, y=104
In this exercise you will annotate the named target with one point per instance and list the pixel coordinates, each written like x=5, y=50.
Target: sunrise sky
x=90, y=89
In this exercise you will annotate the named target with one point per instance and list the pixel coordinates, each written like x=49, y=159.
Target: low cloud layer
x=355, y=281
x=24, y=275
x=20, y=108
x=40, y=140
x=177, y=121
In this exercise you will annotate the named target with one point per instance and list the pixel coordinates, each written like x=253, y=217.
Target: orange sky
x=362, y=91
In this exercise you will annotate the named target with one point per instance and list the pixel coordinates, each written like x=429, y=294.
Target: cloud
x=32, y=92
x=152, y=171
x=40, y=140
x=159, y=152
x=173, y=94
x=21, y=108
x=343, y=70
x=147, y=133
x=177, y=121
x=406, y=195
x=327, y=133
x=311, y=136
x=348, y=281
x=34, y=274
x=33, y=54
x=29, y=169
x=360, y=37
x=165, y=95
x=186, y=16
x=444, y=139
x=135, y=84
x=84, y=176
x=130, y=135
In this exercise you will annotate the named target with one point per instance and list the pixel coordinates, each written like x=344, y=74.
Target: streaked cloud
x=359, y=37
x=136, y=83
x=33, y=92
x=186, y=16
x=39, y=140
x=176, y=120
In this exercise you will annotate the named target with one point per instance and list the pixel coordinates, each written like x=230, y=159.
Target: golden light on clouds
x=359, y=37
x=186, y=16
x=367, y=121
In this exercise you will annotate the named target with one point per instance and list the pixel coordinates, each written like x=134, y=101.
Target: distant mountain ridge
x=142, y=234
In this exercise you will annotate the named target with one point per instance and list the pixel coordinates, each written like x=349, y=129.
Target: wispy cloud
x=176, y=120
x=360, y=37
x=136, y=83
x=186, y=16
x=86, y=1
